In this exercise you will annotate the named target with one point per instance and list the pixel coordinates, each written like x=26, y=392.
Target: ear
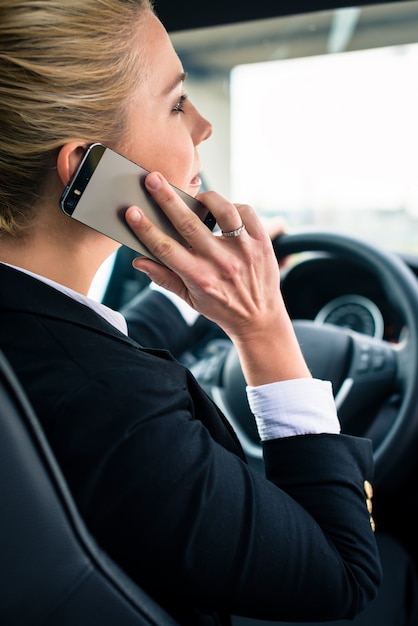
x=69, y=158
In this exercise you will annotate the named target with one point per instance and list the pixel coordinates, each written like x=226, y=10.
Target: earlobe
x=69, y=158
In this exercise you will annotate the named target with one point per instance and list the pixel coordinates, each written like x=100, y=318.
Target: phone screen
x=105, y=185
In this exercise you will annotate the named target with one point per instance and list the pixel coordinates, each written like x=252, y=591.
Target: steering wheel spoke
x=370, y=382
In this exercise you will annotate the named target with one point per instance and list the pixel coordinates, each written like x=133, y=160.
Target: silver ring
x=234, y=233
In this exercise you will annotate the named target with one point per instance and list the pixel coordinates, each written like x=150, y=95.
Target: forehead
x=163, y=67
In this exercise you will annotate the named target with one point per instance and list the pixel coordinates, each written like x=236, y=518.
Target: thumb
x=160, y=275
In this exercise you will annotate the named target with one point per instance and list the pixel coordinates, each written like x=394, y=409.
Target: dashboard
x=334, y=290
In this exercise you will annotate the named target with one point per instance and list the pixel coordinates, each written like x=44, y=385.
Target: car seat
x=52, y=572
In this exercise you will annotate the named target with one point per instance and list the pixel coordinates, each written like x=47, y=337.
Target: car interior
x=349, y=279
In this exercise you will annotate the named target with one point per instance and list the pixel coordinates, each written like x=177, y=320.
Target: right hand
x=234, y=281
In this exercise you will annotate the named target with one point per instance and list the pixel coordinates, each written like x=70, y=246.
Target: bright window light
x=330, y=140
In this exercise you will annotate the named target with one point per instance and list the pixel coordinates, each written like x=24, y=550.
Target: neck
x=61, y=249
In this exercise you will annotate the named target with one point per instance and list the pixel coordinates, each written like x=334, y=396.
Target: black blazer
x=156, y=322
x=161, y=480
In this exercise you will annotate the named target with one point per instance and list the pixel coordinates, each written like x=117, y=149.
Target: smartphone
x=105, y=185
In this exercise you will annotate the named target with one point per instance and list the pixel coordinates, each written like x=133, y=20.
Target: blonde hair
x=67, y=70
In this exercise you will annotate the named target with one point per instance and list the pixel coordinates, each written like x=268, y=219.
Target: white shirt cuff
x=294, y=407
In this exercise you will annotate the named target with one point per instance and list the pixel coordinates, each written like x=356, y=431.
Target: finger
x=160, y=275
x=183, y=218
x=158, y=243
x=254, y=226
x=231, y=217
x=226, y=214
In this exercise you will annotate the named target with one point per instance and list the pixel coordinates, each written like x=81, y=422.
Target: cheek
x=175, y=160
x=179, y=170
x=167, y=150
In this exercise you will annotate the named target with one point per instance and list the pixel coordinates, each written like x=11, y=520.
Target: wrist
x=271, y=357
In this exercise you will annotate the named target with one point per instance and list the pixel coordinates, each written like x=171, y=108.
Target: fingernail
x=153, y=181
x=134, y=216
x=138, y=266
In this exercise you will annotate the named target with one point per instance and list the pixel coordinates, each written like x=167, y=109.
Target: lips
x=196, y=181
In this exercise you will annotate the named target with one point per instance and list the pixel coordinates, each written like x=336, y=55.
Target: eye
x=178, y=108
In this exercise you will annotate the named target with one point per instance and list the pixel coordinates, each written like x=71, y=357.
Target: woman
x=155, y=468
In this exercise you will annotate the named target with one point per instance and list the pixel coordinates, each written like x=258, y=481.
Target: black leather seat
x=52, y=573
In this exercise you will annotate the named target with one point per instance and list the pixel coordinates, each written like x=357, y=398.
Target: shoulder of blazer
x=22, y=293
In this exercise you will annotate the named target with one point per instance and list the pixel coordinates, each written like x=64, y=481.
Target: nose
x=207, y=129
x=202, y=129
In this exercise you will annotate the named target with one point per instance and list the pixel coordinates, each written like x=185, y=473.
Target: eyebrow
x=179, y=79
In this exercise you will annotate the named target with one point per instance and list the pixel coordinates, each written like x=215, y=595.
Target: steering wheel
x=375, y=383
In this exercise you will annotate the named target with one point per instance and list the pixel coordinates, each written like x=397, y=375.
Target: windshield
x=315, y=117
x=335, y=138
